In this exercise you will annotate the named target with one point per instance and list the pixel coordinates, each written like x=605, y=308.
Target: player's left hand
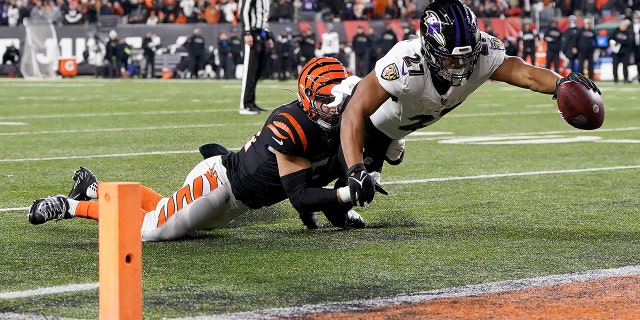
x=576, y=77
x=361, y=185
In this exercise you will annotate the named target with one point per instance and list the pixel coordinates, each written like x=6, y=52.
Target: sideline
x=456, y=292
x=355, y=305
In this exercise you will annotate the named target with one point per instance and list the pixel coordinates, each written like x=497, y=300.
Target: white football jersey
x=415, y=103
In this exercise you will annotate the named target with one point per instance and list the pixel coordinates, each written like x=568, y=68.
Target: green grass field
x=501, y=188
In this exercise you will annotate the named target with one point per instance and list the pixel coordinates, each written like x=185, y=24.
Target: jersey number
x=410, y=61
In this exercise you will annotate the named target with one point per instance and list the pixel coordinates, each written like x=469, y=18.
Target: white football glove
x=342, y=90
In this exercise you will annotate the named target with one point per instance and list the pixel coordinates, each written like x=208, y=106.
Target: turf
x=457, y=213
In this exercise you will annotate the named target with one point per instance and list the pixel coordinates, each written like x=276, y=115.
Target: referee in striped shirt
x=257, y=39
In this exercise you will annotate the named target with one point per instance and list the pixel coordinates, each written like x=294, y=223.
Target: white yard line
x=416, y=181
x=48, y=290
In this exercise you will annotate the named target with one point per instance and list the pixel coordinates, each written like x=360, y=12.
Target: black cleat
x=309, y=220
x=83, y=178
x=51, y=208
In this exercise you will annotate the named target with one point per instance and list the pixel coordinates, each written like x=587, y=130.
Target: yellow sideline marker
x=120, y=251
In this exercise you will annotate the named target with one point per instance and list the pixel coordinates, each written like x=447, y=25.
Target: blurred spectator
x=373, y=47
x=73, y=14
x=553, y=37
x=149, y=53
x=11, y=55
x=344, y=54
x=285, y=10
x=4, y=14
x=152, y=20
x=388, y=39
x=488, y=28
x=225, y=55
x=511, y=47
x=307, y=45
x=408, y=33
x=196, y=48
x=11, y=58
x=237, y=47
x=212, y=13
x=111, y=55
x=106, y=9
x=123, y=52
x=229, y=9
x=586, y=48
x=284, y=53
x=529, y=38
x=622, y=42
x=13, y=15
x=189, y=10
x=37, y=11
x=91, y=14
x=570, y=42
x=95, y=55
x=330, y=45
x=309, y=5
x=360, y=44
x=392, y=10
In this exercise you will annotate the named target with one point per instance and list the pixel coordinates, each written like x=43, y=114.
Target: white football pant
x=205, y=201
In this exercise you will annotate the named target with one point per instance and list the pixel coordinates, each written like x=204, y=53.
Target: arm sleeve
x=308, y=199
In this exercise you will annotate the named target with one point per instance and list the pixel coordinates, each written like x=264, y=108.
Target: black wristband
x=356, y=167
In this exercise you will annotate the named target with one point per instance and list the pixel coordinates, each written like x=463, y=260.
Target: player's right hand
x=576, y=77
x=361, y=185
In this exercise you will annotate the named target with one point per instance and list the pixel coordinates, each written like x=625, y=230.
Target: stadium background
x=73, y=39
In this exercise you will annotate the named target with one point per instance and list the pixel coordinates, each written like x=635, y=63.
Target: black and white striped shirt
x=254, y=16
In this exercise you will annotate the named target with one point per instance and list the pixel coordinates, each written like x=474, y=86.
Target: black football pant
x=255, y=58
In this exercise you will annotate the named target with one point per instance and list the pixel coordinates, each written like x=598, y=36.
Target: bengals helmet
x=450, y=40
x=317, y=78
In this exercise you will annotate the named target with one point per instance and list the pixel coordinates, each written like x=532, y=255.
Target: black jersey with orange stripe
x=253, y=171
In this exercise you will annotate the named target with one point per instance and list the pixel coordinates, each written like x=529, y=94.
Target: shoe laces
x=52, y=208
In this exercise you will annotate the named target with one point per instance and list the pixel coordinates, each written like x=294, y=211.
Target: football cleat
x=346, y=220
x=51, y=208
x=354, y=221
x=309, y=220
x=83, y=179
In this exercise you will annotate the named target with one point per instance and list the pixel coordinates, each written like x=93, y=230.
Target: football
x=580, y=106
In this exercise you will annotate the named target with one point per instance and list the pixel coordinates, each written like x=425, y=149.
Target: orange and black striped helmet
x=317, y=78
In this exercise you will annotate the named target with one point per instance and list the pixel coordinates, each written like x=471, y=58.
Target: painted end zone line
x=518, y=174
x=49, y=290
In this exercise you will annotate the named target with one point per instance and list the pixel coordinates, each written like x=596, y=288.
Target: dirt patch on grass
x=610, y=298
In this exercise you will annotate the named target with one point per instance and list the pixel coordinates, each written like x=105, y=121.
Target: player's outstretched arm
x=515, y=71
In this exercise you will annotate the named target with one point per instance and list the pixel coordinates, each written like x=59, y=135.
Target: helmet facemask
x=319, y=111
x=315, y=82
x=454, y=68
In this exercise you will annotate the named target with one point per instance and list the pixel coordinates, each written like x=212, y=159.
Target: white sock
x=73, y=205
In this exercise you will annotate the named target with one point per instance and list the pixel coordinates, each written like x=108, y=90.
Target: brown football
x=580, y=106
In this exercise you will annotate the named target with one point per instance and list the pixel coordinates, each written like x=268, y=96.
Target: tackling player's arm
x=515, y=71
x=295, y=172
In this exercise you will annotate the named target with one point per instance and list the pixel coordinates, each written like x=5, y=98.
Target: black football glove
x=576, y=77
x=361, y=185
